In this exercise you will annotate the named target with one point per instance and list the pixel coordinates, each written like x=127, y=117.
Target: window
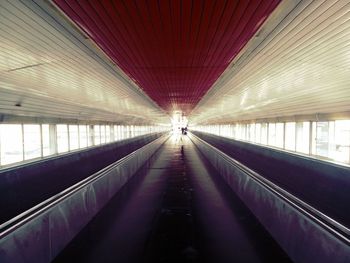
x=19, y=142
x=117, y=132
x=222, y=130
x=303, y=137
x=62, y=138
x=322, y=138
x=108, y=133
x=11, y=143
x=32, y=141
x=313, y=139
x=241, y=131
x=127, y=132
x=258, y=132
x=251, y=132
x=120, y=132
x=73, y=137
x=342, y=141
x=329, y=139
x=131, y=131
x=290, y=136
x=272, y=134
x=122, y=135
x=238, y=131
x=45, y=133
x=83, y=136
x=90, y=135
x=97, y=138
x=233, y=131
x=103, y=133
x=279, y=135
x=263, y=133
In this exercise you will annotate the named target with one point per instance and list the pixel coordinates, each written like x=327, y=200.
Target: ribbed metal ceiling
x=300, y=66
x=48, y=68
x=174, y=50
x=298, y=61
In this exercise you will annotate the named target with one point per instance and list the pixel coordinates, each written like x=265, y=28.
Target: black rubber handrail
x=14, y=223
x=324, y=221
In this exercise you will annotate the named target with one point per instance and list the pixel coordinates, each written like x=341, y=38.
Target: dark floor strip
x=173, y=239
x=176, y=209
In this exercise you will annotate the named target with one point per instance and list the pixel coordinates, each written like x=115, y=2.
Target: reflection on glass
x=290, y=136
x=32, y=141
x=11, y=143
x=62, y=138
x=73, y=137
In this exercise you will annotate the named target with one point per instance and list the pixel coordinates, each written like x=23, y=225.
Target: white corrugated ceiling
x=299, y=63
x=50, y=69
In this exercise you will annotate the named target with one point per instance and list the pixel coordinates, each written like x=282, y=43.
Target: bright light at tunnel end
x=178, y=121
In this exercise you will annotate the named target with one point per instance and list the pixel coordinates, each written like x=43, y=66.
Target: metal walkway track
x=175, y=209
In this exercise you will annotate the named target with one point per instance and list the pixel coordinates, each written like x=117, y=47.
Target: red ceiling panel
x=173, y=49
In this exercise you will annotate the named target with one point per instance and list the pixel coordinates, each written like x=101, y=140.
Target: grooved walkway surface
x=175, y=209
